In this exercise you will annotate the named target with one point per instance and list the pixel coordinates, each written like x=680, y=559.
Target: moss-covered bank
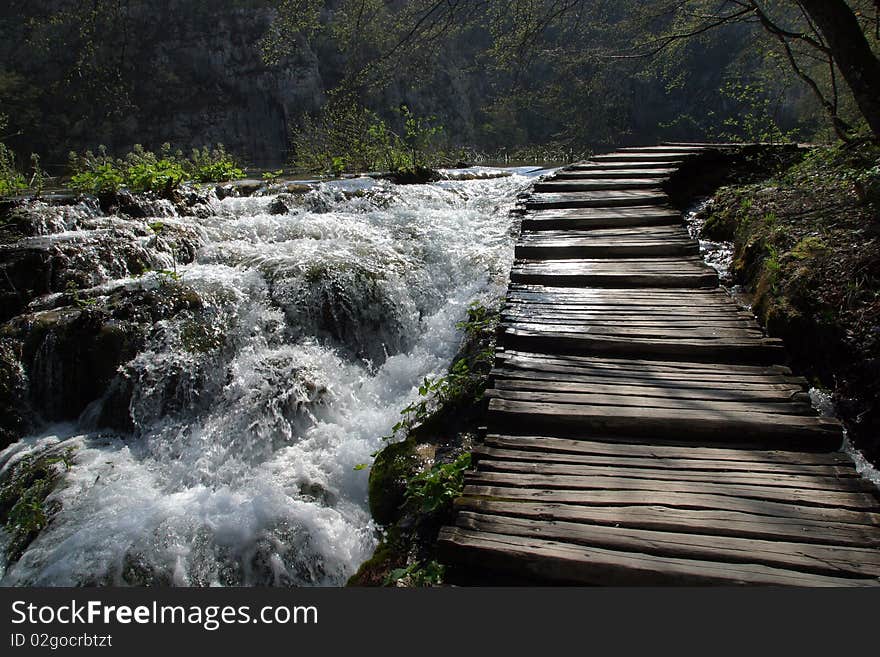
x=807, y=246
x=414, y=480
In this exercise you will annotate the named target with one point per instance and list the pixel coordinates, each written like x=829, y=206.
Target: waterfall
x=283, y=334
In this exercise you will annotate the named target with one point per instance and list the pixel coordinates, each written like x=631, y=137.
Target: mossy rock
x=15, y=417
x=391, y=553
x=391, y=471
x=720, y=226
x=414, y=176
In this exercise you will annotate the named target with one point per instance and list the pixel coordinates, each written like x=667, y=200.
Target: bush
x=347, y=136
x=142, y=170
x=11, y=180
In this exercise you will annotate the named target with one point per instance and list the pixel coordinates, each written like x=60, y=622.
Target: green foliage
x=465, y=380
x=141, y=170
x=11, y=180
x=417, y=575
x=348, y=137
x=162, y=175
x=758, y=118
x=78, y=301
x=213, y=165
x=272, y=176
x=23, y=508
x=434, y=490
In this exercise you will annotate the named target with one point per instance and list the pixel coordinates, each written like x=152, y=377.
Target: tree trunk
x=857, y=62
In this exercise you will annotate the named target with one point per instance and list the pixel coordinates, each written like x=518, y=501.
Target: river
x=316, y=325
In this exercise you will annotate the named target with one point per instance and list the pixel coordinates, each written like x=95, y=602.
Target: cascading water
x=304, y=333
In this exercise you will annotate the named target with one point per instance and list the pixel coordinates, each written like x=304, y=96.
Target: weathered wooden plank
x=605, y=250
x=621, y=400
x=838, y=561
x=628, y=471
x=687, y=521
x=753, y=351
x=633, y=370
x=598, y=199
x=667, y=387
x=621, y=459
x=641, y=157
x=616, y=232
x=628, y=165
x=710, y=501
x=668, y=148
x=834, y=499
x=636, y=294
x=656, y=330
x=553, y=561
x=658, y=323
x=598, y=173
x=646, y=390
x=607, y=278
x=598, y=446
x=615, y=217
x=651, y=365
x=818, y=432
x=630, y=313
x=553, y=185
x=621, y=449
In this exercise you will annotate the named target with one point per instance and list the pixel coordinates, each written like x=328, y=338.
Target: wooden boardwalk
x=642, y=430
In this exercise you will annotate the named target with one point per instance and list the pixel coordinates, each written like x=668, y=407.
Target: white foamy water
x=316, y=327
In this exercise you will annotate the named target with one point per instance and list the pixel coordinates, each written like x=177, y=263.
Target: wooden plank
x=621, y=400
x=656, y=330
x=672, y=320
x=629, y=313
x=682, y=475
x=597, y=322
x=709, y=501
x=626, y=166
x=667, y=148
x=644, y=295
x=605, y=250
x=818, y=432
x=687, y=521
x=621, y=450
x=616, y=232
x=606, y=278
x=552, y=185
x=574, y=564
x=834, y=499
x=640, y=157
x=684, y=378
x=599, y=199
x=598, y=173
x=523, y=379
x=621, y=458
x=837, y=561
x=635, y=369
x=737, y=351
x=645, y=390
x=653, y=365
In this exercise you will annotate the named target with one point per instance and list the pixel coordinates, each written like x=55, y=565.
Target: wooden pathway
x=641, y=428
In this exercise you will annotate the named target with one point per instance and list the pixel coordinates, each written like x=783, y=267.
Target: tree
x=852, y=53
x=820, y=40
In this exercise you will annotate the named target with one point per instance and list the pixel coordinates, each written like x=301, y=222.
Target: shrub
x=142, y=170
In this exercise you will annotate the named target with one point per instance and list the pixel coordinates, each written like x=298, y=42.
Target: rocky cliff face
x=184, y=72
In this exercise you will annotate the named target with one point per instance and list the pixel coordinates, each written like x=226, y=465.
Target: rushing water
x=317, y=326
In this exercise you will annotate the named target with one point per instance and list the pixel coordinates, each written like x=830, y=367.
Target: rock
x=16, y=416
x=282, y=204
x=393, y=467
x=414, y=176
